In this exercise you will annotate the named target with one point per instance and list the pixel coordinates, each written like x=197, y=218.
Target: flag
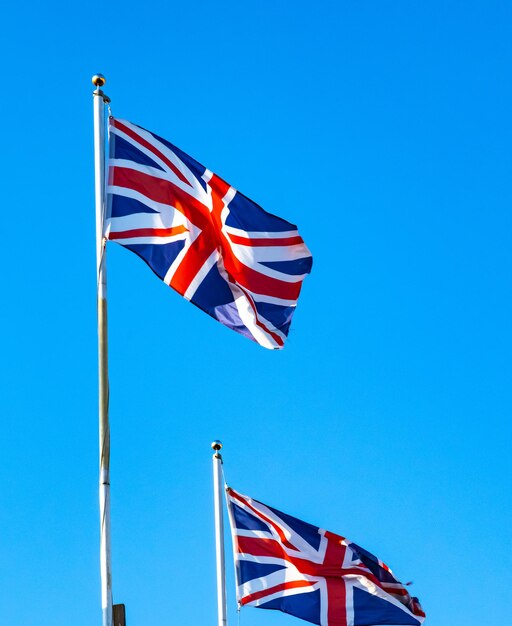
x=214, y=246
x=289, y=565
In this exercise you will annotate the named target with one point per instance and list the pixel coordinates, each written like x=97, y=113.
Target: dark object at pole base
x=119, y=615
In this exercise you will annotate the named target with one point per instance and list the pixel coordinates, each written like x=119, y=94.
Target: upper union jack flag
x=285, y=564
x=214, y=246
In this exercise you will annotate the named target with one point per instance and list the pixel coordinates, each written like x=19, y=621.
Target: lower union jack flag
x=214, y=246
x=286, y=564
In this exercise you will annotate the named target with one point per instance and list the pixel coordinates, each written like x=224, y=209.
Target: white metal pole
x=218, y=494
x=104, y=428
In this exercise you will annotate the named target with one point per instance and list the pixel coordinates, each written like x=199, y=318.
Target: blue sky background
x=383, y=130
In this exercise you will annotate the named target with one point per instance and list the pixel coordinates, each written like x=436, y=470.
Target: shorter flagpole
x=218, y=494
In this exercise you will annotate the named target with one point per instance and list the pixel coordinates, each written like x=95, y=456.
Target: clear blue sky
x=383, y=130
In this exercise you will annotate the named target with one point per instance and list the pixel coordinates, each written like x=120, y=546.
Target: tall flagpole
x=104, y=429
x=218, y=494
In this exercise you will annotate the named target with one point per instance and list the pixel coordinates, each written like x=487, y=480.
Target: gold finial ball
x=216, y=445
x=98, y=80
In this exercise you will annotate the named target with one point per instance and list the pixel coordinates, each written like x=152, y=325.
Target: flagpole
x=104, y=429
x=218, y=494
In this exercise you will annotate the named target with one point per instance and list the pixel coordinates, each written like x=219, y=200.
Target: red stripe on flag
x=394, y=591
x=265, y=242
x=164, y=192
x=336, y=590
x=257, y=546
x=278, y=530
x=282, y=587
x=257, y=282
x=133, y=135
x=219, y=186
x=148, y=232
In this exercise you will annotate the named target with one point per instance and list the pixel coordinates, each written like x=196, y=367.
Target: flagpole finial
x=98, y=80
x=216, y=445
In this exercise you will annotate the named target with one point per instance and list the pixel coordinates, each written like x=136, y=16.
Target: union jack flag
x=214, y=246
x=286, y=564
